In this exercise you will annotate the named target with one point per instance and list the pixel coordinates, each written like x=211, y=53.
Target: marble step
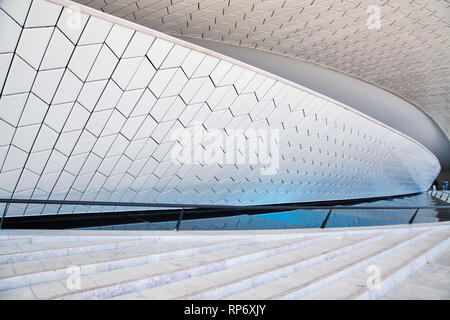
x=430, y=282
x=221, y=283
x=111, y=283
x=51, y=269
x=42, y=250
x=389, y=271
x=297, y=284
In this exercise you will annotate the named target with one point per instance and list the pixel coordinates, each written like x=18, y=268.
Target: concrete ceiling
x=407, y=53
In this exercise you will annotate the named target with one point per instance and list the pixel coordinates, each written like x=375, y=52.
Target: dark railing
x=227, y=208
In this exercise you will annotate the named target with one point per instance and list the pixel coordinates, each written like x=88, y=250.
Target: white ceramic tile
x=158, y=51
x=175, y=109
x=122, y=166
x=142, y=76
x=243, y=104
x=108, y=165
x=82, y=181
x=191, y=62
x=204, y=92
x=46, y=139
x=254, y=84
x=146, y=128
x=75, y=163
x=67, y=141
x=33, y=112
x=104, y=65
x=72, y=22
x=20, y=77
x=11, y=108
x=42, y=13
x=15, y=159
x=91, y=164
x=131, y=126
x=175, y=57
x=264, y=88
x=57, y=115
x=68, y=89
x=144, y=104
x=243, y=80
x=95, y=31
x=125, y=71
x=58, y=52
x=134, y=147
x=77, y=119
x=32, y=45
x=231, y=76
x=128, y=101
x=95, y=184
x=162, y=130
x=91, y=92
x=218, y=120
x=197, y=117
x=37, y=161
x=46, y=84
x=118, y=39
x=222, y=98
x=83, y=59
x=139, y=45
x=27, y=181
x=46, y=184
x=5, y=63
x=161, y=107
x=10, y=33
x=64, y=183
x=110, y=96
x=189, y=113
x=176, y=84
x=114, y=124
x=16, y=9
x=25, y=136
x=206, y=67
x=55, y=163
x=7, y=133
x=118, y=146
x=160, y=81
x=191, y=88
x=8, y=180
x=98, y=121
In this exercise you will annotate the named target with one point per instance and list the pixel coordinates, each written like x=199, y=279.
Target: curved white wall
x=90, y=104
x=356, y=93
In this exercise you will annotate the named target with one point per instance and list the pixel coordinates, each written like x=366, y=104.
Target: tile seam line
x=154, y=33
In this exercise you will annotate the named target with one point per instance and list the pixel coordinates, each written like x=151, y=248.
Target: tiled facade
x=89, y=104
x=408, y=52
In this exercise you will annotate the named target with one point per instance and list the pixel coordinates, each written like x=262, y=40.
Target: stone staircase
x=337, y=263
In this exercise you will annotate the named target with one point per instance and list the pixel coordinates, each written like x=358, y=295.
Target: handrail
x=184, y=206
x=441, y=194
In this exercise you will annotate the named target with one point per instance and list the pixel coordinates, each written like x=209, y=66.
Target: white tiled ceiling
x=89, y=114
x=409, y=54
